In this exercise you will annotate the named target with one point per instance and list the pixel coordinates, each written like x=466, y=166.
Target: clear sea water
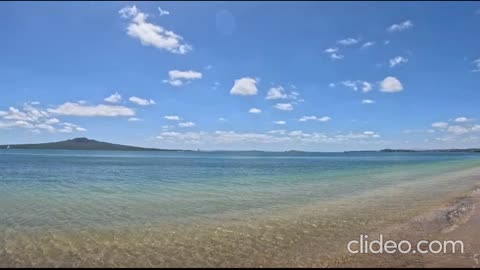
x=107, y=208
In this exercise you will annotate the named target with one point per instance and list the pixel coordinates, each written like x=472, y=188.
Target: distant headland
x=88, y=144
x=81, y=144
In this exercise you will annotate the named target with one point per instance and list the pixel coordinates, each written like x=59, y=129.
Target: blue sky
x=247, y=75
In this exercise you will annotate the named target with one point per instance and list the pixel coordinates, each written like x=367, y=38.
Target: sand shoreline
x=456, y=220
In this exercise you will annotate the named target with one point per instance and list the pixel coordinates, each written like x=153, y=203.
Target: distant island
x=88, y=144
x=81, y=144
x=433, y=150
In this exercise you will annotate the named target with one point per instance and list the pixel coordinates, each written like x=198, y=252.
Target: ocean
x=107, y=208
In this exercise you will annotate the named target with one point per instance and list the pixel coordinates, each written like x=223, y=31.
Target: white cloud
x=440, y=125
x=397, y=61
x=331, y=50
x=355, y=85
x=172, y=117
x=366, y=87
x=280, y=93
x=272, y=137
x=186, y=124
x=277, y=131
x=69, y=128
x=221, y=119
x=315, y=118
x=34, y=119
x=128, y=11
x=52, y=121
x=134, y=119
x=336, y=56
x=141, y=101
x=458, y=130
x=368, y=44
x=331, y=85
x=279, y=122
x=348, y=41
x=462, y=119
x=244, y=87
x=163, y=12
x=254, y=110
x=283, y=106
x=391, y=85
x=178, y=78
x=400, y=26
x=76, y=109
x=276, y=93
x=368, y=101
x=476, y=62
x=151, y=34
x=114, y=98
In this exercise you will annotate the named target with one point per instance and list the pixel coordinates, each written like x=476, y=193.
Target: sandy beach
x=457, y=220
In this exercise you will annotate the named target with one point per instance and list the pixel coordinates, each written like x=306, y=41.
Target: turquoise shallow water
x=100, y=192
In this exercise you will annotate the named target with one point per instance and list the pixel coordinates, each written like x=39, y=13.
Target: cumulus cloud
x=331, y=50
x=458, y=130
x=391, y=85
x=276, y=93
x=172, y=117
x=368, y=101
x=186, y=124
x=151, y=34
x=397, y=61
x=460, y=126
x=283, y=106
x=279, y=122
x=348, y=41
x=476, y=63
x=179, y=78
x=334, y=53
x=77, y=109
x=400, y=26
x=315, y=118
x=134, y=119
x=69, y=128
x=35, y=120
x=440, y=125
x=462, y=119
x=280, y=93
x=163, y=12
x=244, y=87
x=255, y=111
x=368, y=44
x=355, y=85
x=114, y=98
x=141, y=101
x=336, y=56
x=271, y=137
